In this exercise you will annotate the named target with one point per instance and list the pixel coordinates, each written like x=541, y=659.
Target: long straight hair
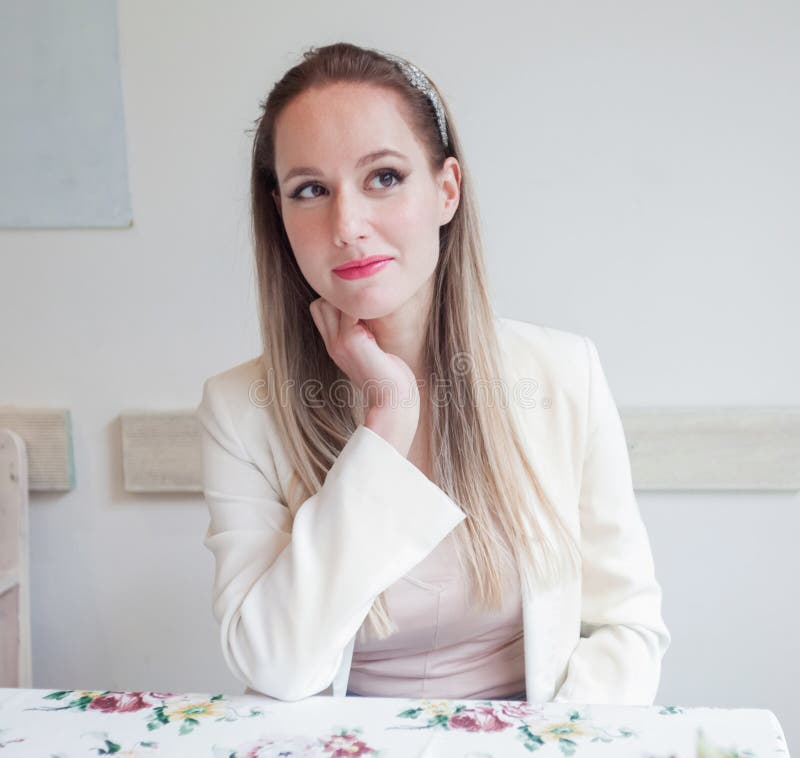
x=478, y=458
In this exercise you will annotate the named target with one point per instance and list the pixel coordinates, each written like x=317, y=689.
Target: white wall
x=637, y=167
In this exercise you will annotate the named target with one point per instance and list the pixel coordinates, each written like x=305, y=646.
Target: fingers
x=313, y=307
x=327, y=320
x=367, y=331
x=349, y=341
x=348, y=325
x=334, y=325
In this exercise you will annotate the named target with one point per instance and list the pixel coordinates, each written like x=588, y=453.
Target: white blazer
x=292, y=589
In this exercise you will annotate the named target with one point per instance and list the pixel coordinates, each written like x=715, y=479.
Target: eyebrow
x=364, y=160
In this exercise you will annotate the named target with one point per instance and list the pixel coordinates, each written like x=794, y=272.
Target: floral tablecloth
x=71, y=723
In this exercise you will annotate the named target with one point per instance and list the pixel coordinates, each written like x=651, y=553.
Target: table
x=70, y=723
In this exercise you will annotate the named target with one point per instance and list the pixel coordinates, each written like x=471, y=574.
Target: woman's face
x=340, y=200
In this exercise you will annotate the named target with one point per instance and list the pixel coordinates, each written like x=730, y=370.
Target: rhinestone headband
x=421, y=82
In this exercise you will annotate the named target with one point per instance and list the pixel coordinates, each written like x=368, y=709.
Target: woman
x=380, y=525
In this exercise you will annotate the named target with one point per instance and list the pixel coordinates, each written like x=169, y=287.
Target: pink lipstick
x=363, y=267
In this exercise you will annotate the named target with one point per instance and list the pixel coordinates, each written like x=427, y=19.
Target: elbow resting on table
x=283, y=677
x=616, y=664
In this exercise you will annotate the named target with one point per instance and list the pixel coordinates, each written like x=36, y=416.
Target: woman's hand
x=385, y=380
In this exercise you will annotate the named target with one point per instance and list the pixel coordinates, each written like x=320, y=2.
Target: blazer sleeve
x=290, y=594
x=623, y=637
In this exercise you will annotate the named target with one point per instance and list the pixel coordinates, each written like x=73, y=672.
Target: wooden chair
x=15, y=619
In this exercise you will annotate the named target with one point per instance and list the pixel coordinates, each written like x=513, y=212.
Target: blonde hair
x=478, y=458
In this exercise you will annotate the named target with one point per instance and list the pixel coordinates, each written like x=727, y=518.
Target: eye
x=381, y=174
x=296, y=195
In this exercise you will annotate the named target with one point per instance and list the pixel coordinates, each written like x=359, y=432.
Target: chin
x=368, y=305
x=367, y=313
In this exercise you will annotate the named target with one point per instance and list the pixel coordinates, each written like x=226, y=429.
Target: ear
x=277, y=198
x=449, y=189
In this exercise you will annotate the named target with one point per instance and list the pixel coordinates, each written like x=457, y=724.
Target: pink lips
x=362, y=267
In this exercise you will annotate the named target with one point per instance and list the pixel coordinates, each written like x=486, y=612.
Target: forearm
x=289, y=601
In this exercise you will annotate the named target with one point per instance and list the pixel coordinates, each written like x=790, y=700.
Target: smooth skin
x=339, y=208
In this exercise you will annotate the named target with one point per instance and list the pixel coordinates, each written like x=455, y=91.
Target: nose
x=349, y=217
